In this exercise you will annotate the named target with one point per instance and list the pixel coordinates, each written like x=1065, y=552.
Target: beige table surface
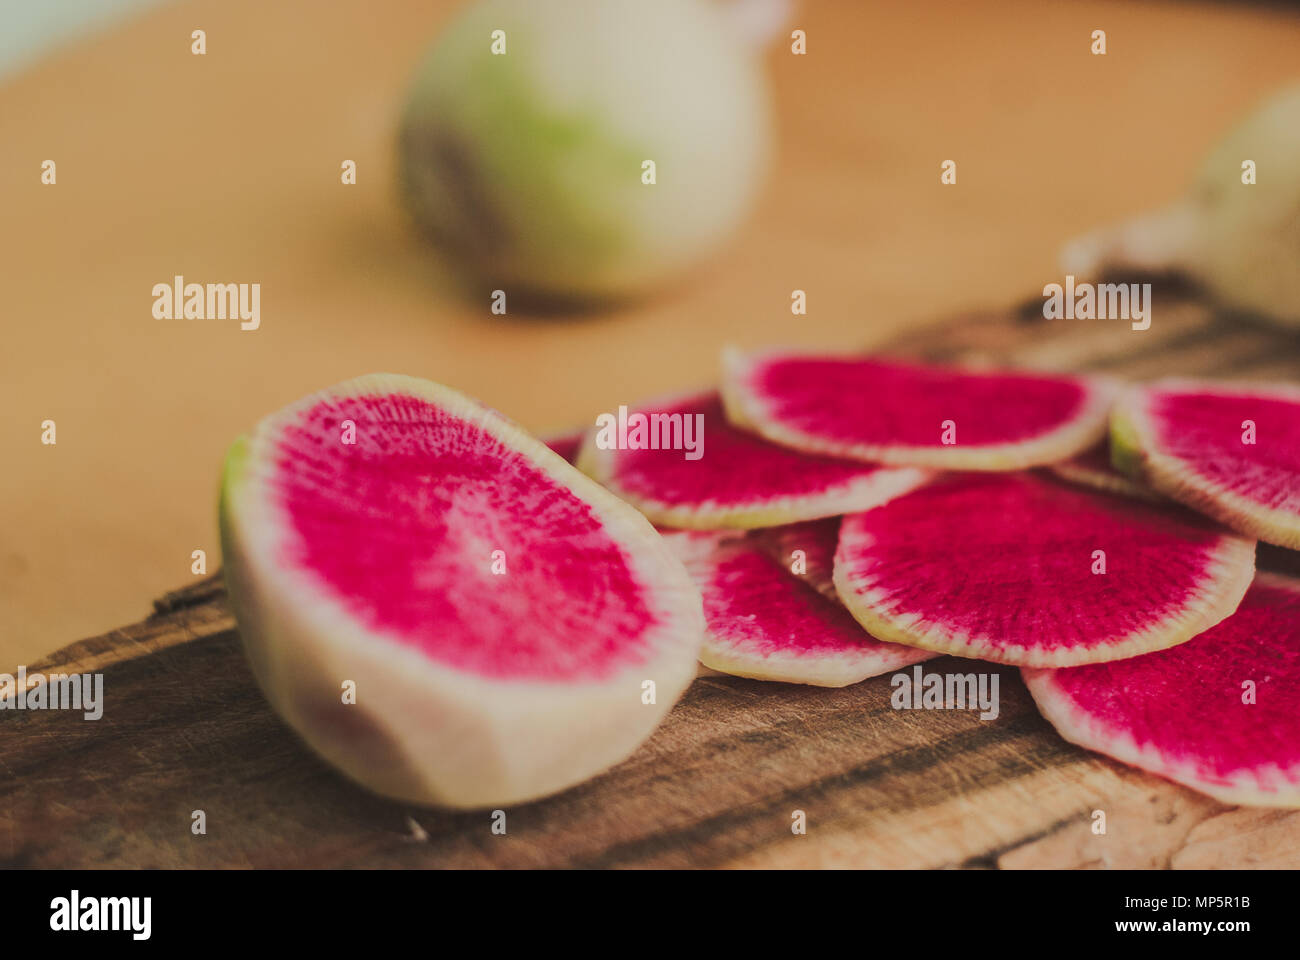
x=225, y=167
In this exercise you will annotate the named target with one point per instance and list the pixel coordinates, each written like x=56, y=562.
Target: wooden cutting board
x=185, y=728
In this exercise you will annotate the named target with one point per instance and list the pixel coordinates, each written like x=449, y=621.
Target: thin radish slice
x=1218, y=714
x=1230, y=451
x=765, y=624
x=1028, y=570
x=738, y=480
x=889, y=412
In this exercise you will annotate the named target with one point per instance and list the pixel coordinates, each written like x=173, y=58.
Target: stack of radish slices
x=452, y=613
x=904, y=515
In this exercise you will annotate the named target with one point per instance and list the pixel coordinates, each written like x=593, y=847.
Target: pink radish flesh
x=403, y=524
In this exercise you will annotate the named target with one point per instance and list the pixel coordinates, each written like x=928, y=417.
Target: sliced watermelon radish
x=805, y=549
x=1028, y=570
x=896, y=413
x=765, y=624
x=738, y=480
x=1218, y=714
x=1229, y=451
x=1093, y=468
x=495, y=611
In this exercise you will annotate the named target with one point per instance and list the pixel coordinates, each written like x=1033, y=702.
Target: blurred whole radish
x=526, y=145
x=1240, y=240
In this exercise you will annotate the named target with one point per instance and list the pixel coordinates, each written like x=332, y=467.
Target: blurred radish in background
x=588, y=149
x=1236, y=231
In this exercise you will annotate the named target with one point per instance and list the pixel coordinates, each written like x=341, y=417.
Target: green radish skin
x=526, y=167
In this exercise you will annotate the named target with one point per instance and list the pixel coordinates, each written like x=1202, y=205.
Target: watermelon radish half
x=1028, y=570
x=1218, y=714
x=495, y=611
x=1229, y=451
x=739, y=480
x=1093, y=468
x=905, y=414
x=765, y=624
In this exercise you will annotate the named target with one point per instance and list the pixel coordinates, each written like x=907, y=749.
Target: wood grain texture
x=186, y=728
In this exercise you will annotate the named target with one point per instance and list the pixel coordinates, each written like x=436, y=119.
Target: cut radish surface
x=493, y=612
x=1093, y=468
x=905, y=414
x=738, y=479
x=1028, y=570
x=1229, y=451
x=765, y=624
x=1218, y=714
